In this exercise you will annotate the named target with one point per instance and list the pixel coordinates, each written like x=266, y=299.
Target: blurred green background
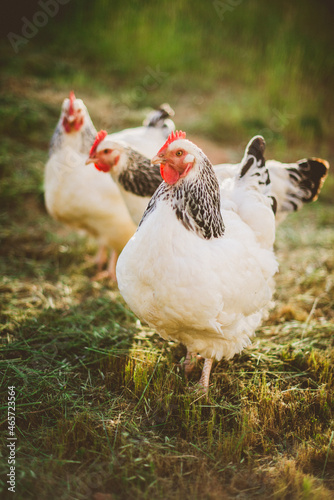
x=230, y=69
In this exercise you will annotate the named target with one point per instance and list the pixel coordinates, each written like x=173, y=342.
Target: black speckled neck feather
x=196, y=202
x=140, y=177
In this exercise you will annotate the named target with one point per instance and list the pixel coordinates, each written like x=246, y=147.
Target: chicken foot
x=110, y=272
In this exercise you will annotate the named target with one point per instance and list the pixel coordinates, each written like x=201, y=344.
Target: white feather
x=209, y=294
x=84, y=198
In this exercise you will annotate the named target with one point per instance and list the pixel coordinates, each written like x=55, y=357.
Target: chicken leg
x=110, y=272
x=101, y=257
x=112, y=265
x=204, y=380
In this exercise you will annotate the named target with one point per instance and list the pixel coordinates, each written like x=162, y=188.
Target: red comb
x=99, y=138
x=173, y=136
x=72, y=99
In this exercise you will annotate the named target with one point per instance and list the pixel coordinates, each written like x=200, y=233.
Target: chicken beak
x=157, y=160
x=70, y=118
x=90, y=160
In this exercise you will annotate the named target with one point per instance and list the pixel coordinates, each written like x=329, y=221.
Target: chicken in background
x=79, y=196
x=74, y=128
x=136, y=178
x=151, y=135
x=200, y=267
x=138, y=145
x=292, y=184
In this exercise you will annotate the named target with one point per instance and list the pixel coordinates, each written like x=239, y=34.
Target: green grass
x=102, y=405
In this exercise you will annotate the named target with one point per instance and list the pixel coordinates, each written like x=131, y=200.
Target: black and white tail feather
x=254, y=171
x=306, y=180
x=161, y=118
x=254, y=153
x=294, y=184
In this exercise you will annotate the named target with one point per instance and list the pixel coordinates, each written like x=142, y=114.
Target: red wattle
x=71, y=126
x=102, y=167
x=66, y=125
x=168, y=173
x=78, y=124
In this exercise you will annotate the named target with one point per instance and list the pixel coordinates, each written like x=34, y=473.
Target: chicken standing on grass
x=292, y=184
x=82, y=197
x=200, y=266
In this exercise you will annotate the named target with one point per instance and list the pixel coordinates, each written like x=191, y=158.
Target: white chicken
x=140, y=143
x=74, y=128
x=200, y=266
x=82, y=197
x=148, y=138
x=292, y=184
x=136, y=178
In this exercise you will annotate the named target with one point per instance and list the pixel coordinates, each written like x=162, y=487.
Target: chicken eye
x=179, y=152
x=106, y=151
